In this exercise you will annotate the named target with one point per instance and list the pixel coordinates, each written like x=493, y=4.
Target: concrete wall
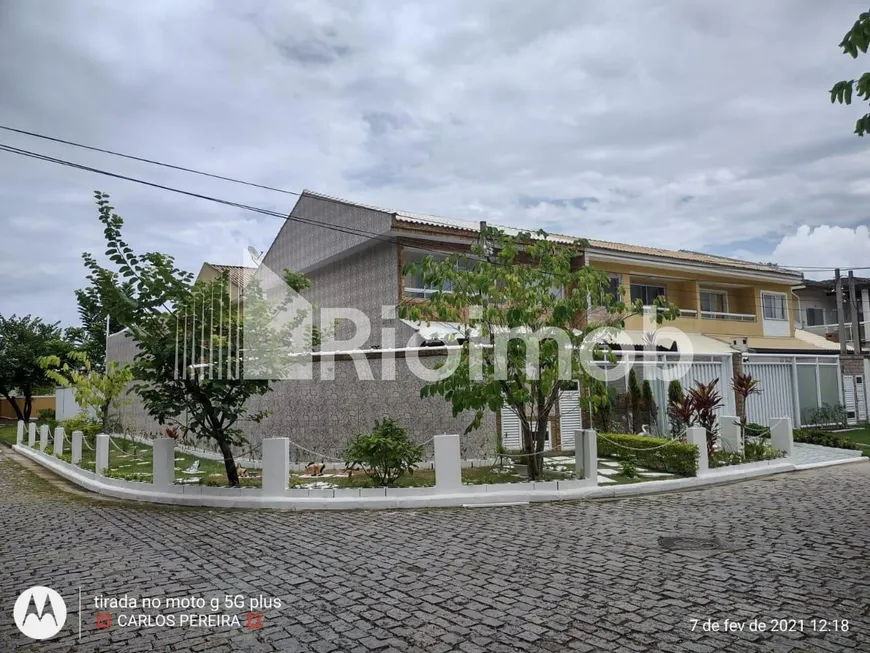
x=323, y=415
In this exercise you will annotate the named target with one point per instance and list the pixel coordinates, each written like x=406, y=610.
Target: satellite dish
x=254, y=252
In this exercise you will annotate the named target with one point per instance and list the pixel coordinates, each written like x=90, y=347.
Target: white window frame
x=712, y=291
x=784, y=297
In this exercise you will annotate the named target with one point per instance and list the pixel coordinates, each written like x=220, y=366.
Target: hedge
x=824, y=438
x=657, y=454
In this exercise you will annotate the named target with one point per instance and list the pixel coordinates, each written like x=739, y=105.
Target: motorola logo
x=39, y=612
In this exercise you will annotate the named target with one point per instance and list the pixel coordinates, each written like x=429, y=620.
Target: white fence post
x=19, y=433
x=781, y=435
x=163, y=462
x=31, y=435
x=276, y=466
x=102, y=461
x=43, y=437
x=729, y=433
x=697, y=435
x=77, y=447
x=58, y=441
x=448, y=468
x=586, y=454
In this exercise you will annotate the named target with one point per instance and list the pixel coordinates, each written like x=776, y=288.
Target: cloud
x=825, y=245
x=697, y=126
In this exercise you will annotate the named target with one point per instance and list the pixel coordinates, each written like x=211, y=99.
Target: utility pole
x=839, y=298
x=853, y=313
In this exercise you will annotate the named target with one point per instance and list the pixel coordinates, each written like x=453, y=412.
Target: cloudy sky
x=697, y=125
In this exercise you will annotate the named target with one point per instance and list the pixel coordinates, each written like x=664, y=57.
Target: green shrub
x=824, y=438
x=386, y=454
x=724, y=458
x=628, y=467
x=754, y=430
x=47, y=416
x=82, y=422
x=657, y=454
x=755, y=451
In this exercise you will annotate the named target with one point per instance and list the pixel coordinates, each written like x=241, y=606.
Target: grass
x=860, y=436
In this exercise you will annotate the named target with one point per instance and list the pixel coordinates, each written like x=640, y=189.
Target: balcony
x=825, y=329
x=732, y=317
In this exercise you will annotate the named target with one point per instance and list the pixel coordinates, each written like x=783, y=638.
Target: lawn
x=860, y=436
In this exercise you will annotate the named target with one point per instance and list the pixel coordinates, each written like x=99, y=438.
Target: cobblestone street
x=586, y=576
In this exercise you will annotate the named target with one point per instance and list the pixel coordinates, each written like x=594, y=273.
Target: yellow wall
x=684, y=293
x=39, y=403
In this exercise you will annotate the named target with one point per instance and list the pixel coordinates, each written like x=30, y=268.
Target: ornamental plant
x=387, y=453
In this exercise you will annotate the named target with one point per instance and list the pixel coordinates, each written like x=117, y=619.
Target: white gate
x=776, y=398
x=569, y=417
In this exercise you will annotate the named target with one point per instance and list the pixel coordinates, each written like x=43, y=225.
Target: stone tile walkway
x=812, y=453
x=574, y=576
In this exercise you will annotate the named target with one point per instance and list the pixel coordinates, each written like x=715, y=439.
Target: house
x=737, y=315
x=237, y=276
x=818, y=312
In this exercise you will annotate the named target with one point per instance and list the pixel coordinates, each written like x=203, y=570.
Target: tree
x=680, y=411
x=192, y=361
x=527, y=287
x=648, y=405
x=93, y=389
x=634, y=396
x=855, y=40
x=23, y=341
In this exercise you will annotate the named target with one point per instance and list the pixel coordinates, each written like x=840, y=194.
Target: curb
x=471, y=496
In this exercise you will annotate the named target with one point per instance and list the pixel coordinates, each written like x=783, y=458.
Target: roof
x=237, y=274
x=829, y=284
x=787, y=344
x=470, y=226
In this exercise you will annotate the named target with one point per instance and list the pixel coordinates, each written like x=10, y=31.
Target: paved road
x=565, y=577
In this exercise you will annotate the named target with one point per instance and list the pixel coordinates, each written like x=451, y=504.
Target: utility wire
x=144, y=160
x=296, y=218
x=292, y=218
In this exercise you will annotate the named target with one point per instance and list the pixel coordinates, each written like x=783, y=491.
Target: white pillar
x=163, y=462
x=31, y=435
x=58, y=441
x=77, y=447
x=43, y=437
x=276, y=466
x=697, y=435
x=586, y=455
x=448, y=469
x=19, y=433
x=781, y=436
x=729, y=433
x=102, y=462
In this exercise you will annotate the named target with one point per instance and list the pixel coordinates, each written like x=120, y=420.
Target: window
x=413, y=283
x=647, y=294
x=815, y=316
x=774, y=306
x=714, y=301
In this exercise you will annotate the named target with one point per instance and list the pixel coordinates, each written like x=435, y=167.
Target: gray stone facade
x=323, y=414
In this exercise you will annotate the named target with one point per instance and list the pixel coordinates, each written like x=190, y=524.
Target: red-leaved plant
x=706, y=400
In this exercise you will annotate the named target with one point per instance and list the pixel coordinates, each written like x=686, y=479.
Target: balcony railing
x=733, y=317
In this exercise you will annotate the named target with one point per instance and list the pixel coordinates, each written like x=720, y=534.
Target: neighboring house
x=237, y=276
x=819, y=314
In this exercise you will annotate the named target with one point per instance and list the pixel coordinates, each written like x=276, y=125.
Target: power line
x=243, y=182
x=144, y=160
x=247, y=207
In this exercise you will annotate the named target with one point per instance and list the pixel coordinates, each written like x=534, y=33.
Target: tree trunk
x=229, y=463
x=528, y=450
x=104, y=417
x=28, y=406
x=14, y=403
x=540, y=439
